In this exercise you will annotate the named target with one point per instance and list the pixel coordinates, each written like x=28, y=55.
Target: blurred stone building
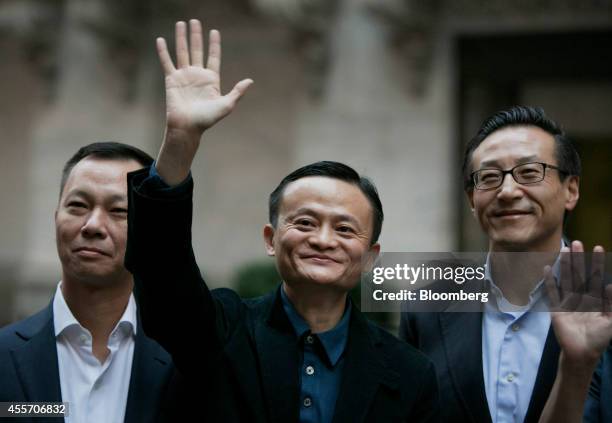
x=392, y=87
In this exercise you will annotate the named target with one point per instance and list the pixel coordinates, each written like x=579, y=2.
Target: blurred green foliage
x=256, y=278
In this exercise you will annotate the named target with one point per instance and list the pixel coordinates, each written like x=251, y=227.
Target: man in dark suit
x=303, y=352
x=521, y=178
x=87, y=347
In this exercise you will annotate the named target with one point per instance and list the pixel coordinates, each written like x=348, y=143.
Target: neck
x=517, y=272
x=97, y=308
x=551, y=244
x=321, y=307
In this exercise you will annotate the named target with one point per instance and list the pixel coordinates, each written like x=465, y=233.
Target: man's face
x=91, y=221
x=522, y=217
x=324, y=229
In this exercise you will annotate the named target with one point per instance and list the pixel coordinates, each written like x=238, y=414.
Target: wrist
x=176, y=154
x=578, y=368
x=186, y=137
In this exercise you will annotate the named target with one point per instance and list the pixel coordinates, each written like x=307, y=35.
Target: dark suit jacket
x=29, y=369
x=598, y=408
x=245, y=352
x=453, y=341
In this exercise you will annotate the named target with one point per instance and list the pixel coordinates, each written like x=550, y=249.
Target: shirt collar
x=333, y=341
x=63, y=317
x=534, y=296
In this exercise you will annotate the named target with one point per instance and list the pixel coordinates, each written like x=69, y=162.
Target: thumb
x=238, y=91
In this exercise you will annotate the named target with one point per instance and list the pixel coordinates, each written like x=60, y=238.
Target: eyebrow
x=311, y=212
x=111, y=199
x=526, y=159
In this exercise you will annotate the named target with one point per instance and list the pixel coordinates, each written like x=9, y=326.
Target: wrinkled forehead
x=327, y=195
x=514, y=145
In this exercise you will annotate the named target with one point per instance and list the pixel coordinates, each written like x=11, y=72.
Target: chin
x=515, y=243
x=100, y=277
x=321, y=280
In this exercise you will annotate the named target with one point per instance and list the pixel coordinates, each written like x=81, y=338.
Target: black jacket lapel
x=36, y=361
x=364, y=370
x=277, y=349
x=151, y=370
x=547, y=372
x=462, y=335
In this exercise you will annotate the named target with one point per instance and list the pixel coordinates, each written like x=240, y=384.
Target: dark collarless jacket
x=245, y=353
x=453, y=341
x=29, y=370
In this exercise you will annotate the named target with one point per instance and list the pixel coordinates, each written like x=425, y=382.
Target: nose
x=509, y=189
x=324, y=238
x=95, y=225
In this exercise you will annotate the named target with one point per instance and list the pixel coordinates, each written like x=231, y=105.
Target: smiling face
x=522, y=217
x=91, y=222
x=324, y=230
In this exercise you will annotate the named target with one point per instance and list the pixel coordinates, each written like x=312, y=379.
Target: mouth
x=510, y=214
x=320, y=258
x=90, y=252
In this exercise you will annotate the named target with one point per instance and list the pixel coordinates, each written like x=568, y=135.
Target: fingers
x=164, y=57
x=214, y=51
x=597, y=271
x=578, y=276
x=192, y=52
x=565, y=278
x=238, y=91
x=551, y=289
x=195, y=43
x=182, y=52
x=608, y=299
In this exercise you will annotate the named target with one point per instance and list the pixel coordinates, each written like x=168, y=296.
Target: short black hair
x=108, y=150
x=334, y=170
x=568, y=159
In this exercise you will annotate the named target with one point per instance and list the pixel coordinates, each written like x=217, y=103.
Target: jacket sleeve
x=176, y=307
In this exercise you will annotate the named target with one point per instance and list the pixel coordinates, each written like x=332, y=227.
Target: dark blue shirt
x=321, y=364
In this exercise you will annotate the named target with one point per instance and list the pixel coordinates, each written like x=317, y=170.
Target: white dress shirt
x=96, y=392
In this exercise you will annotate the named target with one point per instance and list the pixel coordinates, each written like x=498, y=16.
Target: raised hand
x=194, y=101
x=582, y=320
x=581, y=313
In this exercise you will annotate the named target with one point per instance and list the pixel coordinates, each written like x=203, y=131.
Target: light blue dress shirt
x=513, y=339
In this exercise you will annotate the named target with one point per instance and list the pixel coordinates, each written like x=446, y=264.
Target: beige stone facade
x=393, y=88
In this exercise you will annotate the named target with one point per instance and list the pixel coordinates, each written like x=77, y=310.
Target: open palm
x=193, y=92
x=580, y=312
x=583, y=335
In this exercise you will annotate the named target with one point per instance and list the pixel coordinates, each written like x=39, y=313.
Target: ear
x=572, y=192
x=371, y=257
x=470, y=197
x=268, y=234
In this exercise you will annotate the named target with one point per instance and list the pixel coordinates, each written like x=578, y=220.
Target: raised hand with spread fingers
x=580, y=307
x=581, y=316
x=194, y=101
